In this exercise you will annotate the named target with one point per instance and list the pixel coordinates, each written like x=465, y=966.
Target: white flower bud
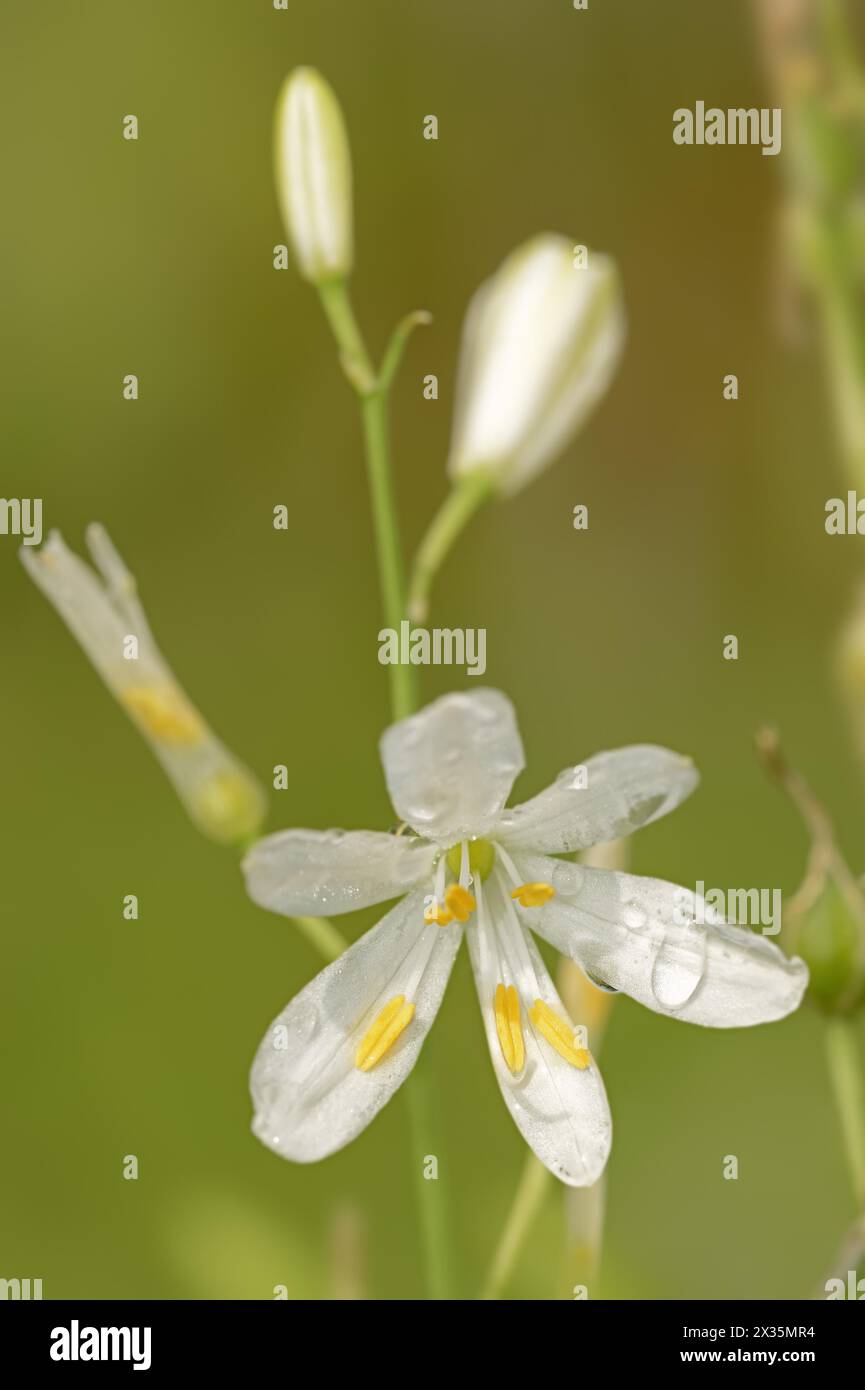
x=313, y=176
x=222, y=797
x=541, y=341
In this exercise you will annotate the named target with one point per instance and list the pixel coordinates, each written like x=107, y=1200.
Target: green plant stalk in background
x=533, y=1186
x=848, y=1084
x=819, y=79
x=320, y=932
x=825, y=923
x=820, y=82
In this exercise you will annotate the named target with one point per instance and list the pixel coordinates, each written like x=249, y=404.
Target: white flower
x=541, y=341
x=222, y=797
x=340, y=1049
x=313, y=175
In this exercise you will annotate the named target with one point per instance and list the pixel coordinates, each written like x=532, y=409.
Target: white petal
x=561, y=1111
x=220, y=794
x=90, y=611
x=322, y=872
x=449, y=769
x=664, y=946
x=310, y=1098
x=609, y=796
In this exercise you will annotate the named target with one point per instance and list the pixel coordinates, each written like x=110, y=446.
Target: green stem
x=456, y=511
x=435, y=1226
x=403, y=684
x=373, y=395
x=528, y=1198
x=845, y=1069
x=838, y=44
x=844, y=339
x=373, y=389
x=396, y=346
x=327, y=939
x=353, y=355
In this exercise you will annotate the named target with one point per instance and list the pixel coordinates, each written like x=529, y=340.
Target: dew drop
x=634, y=916
x=678, y=968
x=601, y=984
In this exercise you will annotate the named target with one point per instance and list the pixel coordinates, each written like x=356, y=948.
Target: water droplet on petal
x=601, y=984
x=634, y=915
x=679, y=967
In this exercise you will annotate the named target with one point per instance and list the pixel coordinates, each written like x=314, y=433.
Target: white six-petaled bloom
x=541, y=341
x=222, y=797
x=340, y=1049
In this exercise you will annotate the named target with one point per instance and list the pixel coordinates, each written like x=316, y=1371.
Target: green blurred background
x=706, y=518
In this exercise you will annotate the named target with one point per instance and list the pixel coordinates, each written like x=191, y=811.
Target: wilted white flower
x=313, y=175
x=340, y=1049
x=222, y=797
x=541, y=341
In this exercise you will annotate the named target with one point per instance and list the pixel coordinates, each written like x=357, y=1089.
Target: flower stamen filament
x=436, y=911
x=465, y=864
x=526, y=894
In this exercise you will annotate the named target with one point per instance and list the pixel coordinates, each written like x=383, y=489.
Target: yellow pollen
x=383, y=1033
x=163, y=713
x=459, y=902
x=558, y=1035
x=439, y=915
x=533, y=894
x=509, y=1028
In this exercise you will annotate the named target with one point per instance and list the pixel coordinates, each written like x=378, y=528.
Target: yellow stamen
x=439, y=915
x=459, y=902
x=381, y=1036
x=533, y=894
x=509, y=1028
x=163, y=713
x=558, y=1035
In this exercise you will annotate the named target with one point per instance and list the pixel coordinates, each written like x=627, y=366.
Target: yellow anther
x=381, y=1036
x=439, y=915
x=533, y=894
x=558, y=1035
x=509, y=1028
x=459, y=902
x=163, y=713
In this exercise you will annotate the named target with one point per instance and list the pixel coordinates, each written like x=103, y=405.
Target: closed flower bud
x=223, y=799
x=313, y=176
x=541, y=341
x=827, y=937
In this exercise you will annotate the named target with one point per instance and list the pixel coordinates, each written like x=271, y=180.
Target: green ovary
x=482, y=856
